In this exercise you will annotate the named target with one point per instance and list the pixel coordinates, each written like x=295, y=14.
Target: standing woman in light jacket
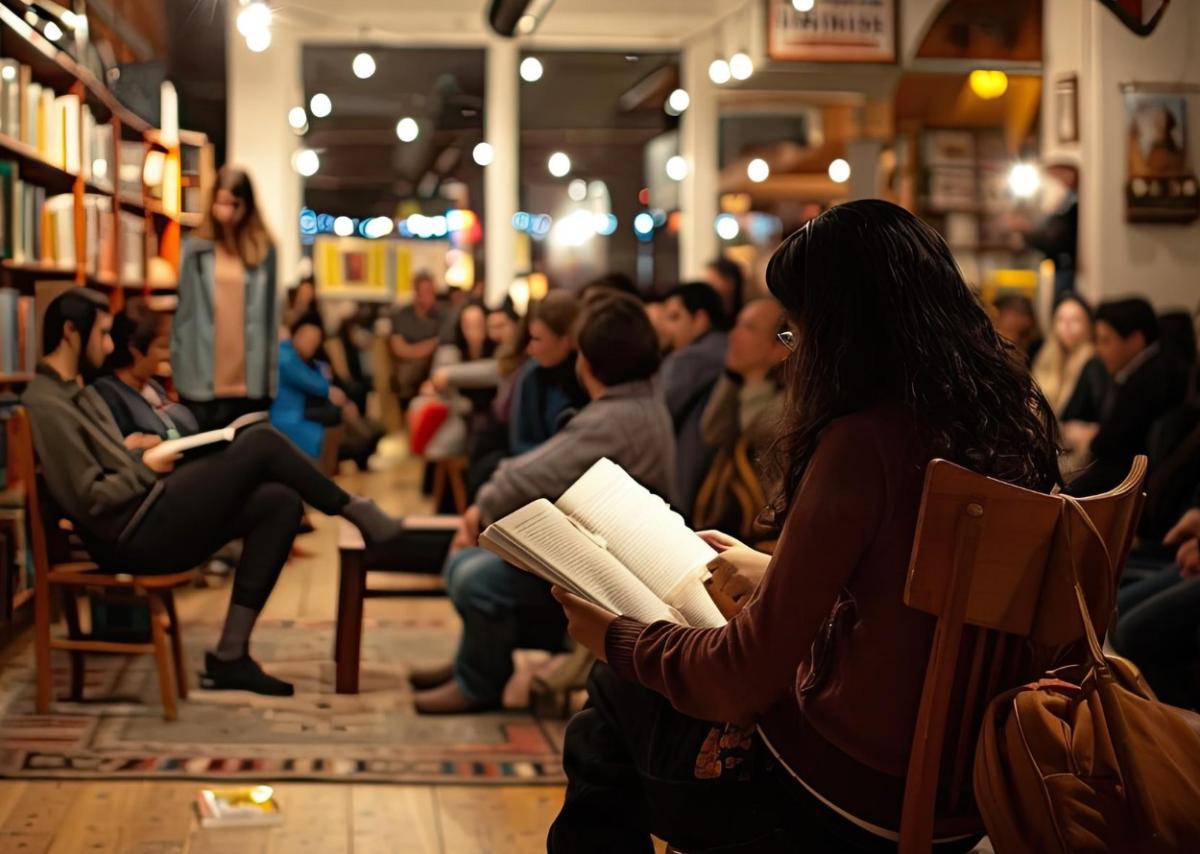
x=225, y=338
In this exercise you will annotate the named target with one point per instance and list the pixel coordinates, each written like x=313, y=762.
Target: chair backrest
x=990, y=561
x=23, y=469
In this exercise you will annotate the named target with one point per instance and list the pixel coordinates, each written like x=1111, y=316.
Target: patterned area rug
x=119, y=732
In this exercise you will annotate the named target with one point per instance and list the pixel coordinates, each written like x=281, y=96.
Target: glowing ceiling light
x=254, y=17
x=531, y=69
x=559, y=164
x=306, y=162
x=757, y=170
x=727, y=227
x=297, y=118
x=1024, y=180
x=577, y=190
x=839, y=171
x=407, y=129
x=643, y=224
x=677, y=102
x=988, y=85
x=363, y=65
x=320, y=105
x=258, y=41
x=343, y=226
x=53, y=31
x=483, y=154
x=803, y=5
x=718, y=72
x=741, y=66
x=677, y=168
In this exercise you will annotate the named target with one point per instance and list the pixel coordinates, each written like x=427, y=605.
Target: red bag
x=424, y=420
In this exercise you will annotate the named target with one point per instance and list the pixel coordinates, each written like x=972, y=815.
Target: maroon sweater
x=826, y=658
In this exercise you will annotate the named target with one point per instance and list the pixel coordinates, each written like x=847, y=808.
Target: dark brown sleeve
x=734, y=673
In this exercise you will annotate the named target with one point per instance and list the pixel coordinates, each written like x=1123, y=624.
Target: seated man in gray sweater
x=503, y=608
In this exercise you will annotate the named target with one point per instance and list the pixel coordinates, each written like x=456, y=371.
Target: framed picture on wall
x=1066, y=108
x=846, y=31
x=1161, y=186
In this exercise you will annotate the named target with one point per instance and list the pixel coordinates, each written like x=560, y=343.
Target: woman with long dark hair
x=790, y=727
x=225, y=338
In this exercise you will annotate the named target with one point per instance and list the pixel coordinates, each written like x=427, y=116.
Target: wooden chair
x=991, y=563
x=71, y=578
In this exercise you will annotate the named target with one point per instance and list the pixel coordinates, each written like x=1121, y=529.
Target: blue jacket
x=192, y=328
x=298, y=381
x=544, y=399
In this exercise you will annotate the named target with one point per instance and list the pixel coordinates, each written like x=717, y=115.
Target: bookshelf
x=76, y=215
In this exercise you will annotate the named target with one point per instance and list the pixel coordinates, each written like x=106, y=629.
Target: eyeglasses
x=788, y=339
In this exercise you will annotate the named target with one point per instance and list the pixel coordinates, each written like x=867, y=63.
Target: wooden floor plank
x=41, y=811
x=95, y=822
x=387, y=819
x=317, y=819
x=496, y=820
x=159, y=817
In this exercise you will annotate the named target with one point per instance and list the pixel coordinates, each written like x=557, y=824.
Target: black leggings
x=252, y=490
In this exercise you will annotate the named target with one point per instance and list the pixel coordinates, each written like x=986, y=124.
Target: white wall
x=1119, y=258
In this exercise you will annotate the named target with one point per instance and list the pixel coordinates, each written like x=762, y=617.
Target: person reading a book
x=144, y=413
x=137, y=513
x=789, y=728
x=225, y=337
x=503, y=608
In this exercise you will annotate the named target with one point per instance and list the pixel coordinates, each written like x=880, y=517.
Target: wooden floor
x=157, y=817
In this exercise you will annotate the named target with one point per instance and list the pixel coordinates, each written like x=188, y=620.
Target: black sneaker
x=241, y=674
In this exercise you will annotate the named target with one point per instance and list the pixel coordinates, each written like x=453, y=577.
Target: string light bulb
x=741, y=66
x=677, y=102
x=758, y=170
x=559, y=164
x=363, y=66
x=531, y=69
x=483, y=154
x=320, y=105
x=407, y=129
x=839, y=171
x=718, y=72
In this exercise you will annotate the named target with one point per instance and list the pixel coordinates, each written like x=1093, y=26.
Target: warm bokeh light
x=988, y=84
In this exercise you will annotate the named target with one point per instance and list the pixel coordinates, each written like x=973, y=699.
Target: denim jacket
x=192, y=329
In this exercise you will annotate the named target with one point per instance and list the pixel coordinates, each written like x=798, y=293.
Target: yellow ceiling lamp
x=988, y=84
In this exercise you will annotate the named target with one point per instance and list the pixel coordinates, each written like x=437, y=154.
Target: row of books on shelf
x=36, y=229
x=61, y=128
x=18, y=332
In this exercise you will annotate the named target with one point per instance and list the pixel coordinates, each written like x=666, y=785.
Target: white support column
x=500, y=198
x=863, y=157
x=698, y=145
x=262, y=88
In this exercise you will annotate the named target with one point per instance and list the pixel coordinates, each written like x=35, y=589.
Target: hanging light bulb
x=306, y=162
x=343, y=226
x=559, y=164
x=839, y=171
x=577, y=190
x=677, y=102
x=297, y=118
x=363, y=65
x=803, y=5
x=741, y=66
x=254, y=17
x=407, y=129
x=677, y=168
x=531, y=69
x=1024, y=180
x=320, y=105
x=758, y=170
x=483, y=154
x=988, y=85
x=258, y=41
x=718, y=72
x=52, y=31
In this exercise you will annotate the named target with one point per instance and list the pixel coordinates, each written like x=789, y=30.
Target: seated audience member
x=306, y=402
x=139, y=516
x=1146, y=385
x=726, y=277
x=743, y=416
x=695, y=319
x=139, y=405
x=608, y=285
x=758, y=735
x=1158, y=623
x=503, y=608
x=1066, y=361
x=490, y=444
x=1016, y=322
x=1179, y=345
x=414, y=338
x=547, y=391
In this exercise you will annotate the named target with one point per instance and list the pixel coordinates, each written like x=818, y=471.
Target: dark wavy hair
x=882, y=315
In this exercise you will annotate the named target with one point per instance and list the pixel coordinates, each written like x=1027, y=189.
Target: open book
x=613, y=542
x=199, y=440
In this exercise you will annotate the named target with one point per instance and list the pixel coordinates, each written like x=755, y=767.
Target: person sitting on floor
x=306, y=402
x=144, y=516
x=503, y=608
x=1147, y=384
x=742, y=418
x=139, y=404
x=790, y=727
x=695, y=320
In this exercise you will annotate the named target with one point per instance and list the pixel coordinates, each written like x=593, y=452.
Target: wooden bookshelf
x=35, y=168
x=38, y=268
x=13, y=379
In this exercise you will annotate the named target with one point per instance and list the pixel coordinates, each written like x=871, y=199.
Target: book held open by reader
x=613, y=542
x=199, y=440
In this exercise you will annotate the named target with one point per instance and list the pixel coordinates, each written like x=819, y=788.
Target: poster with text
x=833, y=31
x=1161, y=186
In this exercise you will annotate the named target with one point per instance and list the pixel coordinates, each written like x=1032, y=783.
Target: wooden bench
x=431, y=536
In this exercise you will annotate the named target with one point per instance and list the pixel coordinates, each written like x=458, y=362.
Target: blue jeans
x=502, y=609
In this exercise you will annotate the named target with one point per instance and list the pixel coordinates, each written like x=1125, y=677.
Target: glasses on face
x=788, y=339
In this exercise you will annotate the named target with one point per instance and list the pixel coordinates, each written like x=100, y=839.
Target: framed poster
x=354, y=268
x=1066, y=108
x=833, y=31
x=1161, y=187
